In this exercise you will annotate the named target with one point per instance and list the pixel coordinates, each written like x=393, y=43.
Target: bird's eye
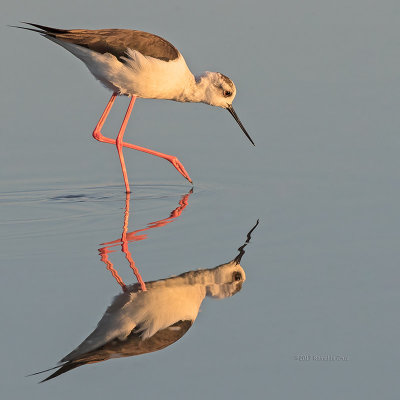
x=237, y=276
x=227, y=93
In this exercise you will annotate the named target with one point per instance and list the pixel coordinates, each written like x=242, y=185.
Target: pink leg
x=119, y=142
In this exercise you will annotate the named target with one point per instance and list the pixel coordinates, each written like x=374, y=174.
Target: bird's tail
x=61, y=370
x=44, y=30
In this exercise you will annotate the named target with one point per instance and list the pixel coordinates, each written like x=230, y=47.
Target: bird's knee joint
x=96, y=134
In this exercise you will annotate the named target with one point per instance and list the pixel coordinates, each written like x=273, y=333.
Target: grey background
x=318, y=91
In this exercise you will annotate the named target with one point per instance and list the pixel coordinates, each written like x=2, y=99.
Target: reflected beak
x=234, y=115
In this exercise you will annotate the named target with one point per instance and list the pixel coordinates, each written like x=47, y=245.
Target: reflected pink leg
x=124, y=246
x=133, y=236
x=104, y=257
x=119, y=143
x=125, y=249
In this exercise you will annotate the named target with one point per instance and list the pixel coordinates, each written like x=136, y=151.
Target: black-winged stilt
x=140, y=64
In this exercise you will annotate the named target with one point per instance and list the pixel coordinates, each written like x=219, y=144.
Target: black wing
x=113, y=41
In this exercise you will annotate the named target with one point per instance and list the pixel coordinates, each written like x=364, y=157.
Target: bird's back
x=115, y=41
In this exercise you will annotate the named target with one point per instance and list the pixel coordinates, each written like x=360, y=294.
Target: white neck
x=196, y=89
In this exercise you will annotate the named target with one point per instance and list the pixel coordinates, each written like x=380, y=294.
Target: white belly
x=140, y=75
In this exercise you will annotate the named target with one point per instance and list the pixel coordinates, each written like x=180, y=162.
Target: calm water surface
x=315, y=286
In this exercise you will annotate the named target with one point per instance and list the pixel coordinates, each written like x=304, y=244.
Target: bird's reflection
x=149, y=316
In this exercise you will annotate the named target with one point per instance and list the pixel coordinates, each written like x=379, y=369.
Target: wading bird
x=140, y=64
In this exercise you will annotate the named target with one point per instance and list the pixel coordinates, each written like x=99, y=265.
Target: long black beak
x=234, y=115
x=238, y=258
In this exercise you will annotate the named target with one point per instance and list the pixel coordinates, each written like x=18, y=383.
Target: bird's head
x=227, y=280
x=219, y=91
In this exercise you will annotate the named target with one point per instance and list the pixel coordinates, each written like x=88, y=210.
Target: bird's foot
x=179, y=166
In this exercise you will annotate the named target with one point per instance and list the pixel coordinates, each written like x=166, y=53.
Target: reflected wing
x=133, y=345
x=113, y=324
